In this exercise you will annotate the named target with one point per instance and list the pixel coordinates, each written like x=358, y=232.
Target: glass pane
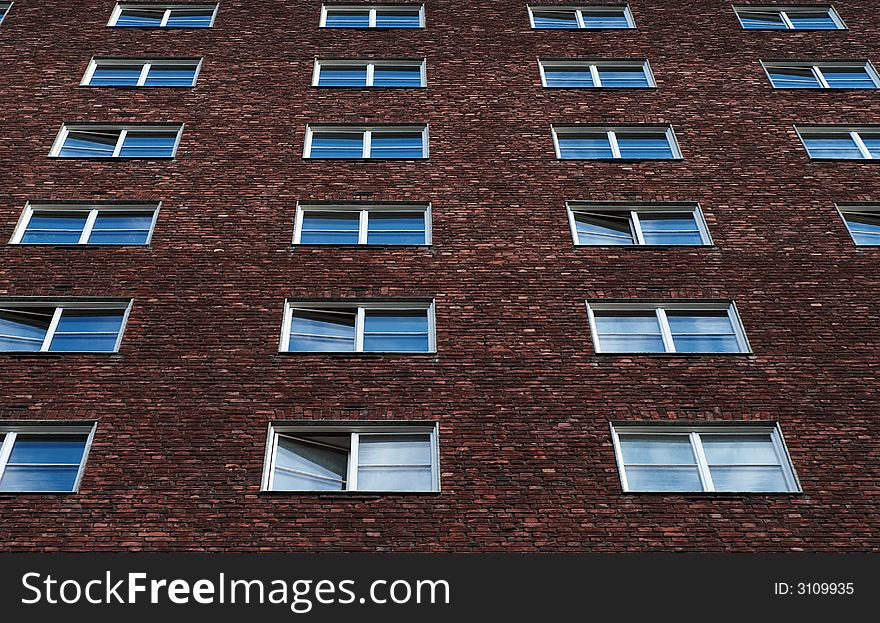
x=396, y=145
x=396, y=221
x=848, y=78
x=651, y=146
x=101, y=343
x=395, y=321
x=8, y=344
x=331, y=221
x=48, y=449
x=402, y=76
x=190, y=18
x=587, y=146
x=337, y=145
x=124, y=220
x=663, y=479
x=391, y=238
x=118, y=237
x=50, y=237
x=623, y=77
x=171, y=76
x=632, y=344
x=555, y=19
x=838, y=145
x=84, y=144
x=610, y=17
x=395, y=479
x=74, y=321
x=328, y=237
x=396, y=343
x=327, y=463
x=116, y=75
x=669, y=228
x=30, y=323
x=762, y=20
x=335, y=323
x=699, y=322
x=568, y=77
x=398, y=18
x=140, y=17
x=706, y=344
x=347, y=19
x=627, y=322
x=748, y=479
x=865, y=228
x=594, y=228
x=71, y=221
x=346, y=76
x=21, y=478
x=148, y=145
x=657, y=449
x=811, y=19
x=872, y=142
x=739, y=449
x=793, y=78
x=394, y=450
x=312, y=344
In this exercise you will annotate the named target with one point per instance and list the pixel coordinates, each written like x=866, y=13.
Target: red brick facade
x=523, y=403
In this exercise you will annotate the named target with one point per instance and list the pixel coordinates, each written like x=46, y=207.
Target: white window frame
x=849, y=208
x=366, y=131
x=92, y=209
x=4, y=10
x=612, y=133
x=372, y=8
x=782, y=10
x=60, y=306
x=120, y=6
x=816, y=68
x=363, y=222
x=123, y=130
x=854, y=134
x=355, y=429
x=659, y=308
x=361, y=307
x=694, y=433
x=371, y=65
x=11, y=430
x=578, y=9
x=594, y=65
x=633, y=210
x=146, y=65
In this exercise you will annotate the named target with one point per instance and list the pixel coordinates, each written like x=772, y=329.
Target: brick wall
x=522, y=402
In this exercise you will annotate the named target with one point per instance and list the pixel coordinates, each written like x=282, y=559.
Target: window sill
x=130, y=87
x=323, y=160
x=652, y=247
x=349, y=494
x=672, y=355
x=370, y=355
x=548, y=88
x=865, y=160
x=621, y=159
x=347, y=247
x=367, y=89
x=698, y=495
x=17, y=493
x=79, y=246
x=111, y=159
x=55, y=354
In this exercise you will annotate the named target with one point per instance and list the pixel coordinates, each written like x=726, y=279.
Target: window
x=597, y=17
x=729, y=458
x=373, y=142
x=121, y=72
x=399, y=327
x=577, y=74
x=352, y=456
x=805, y=75
x=364, y=225
x=4, y=9
x=44, y=457
x=840, y=143
x=666, y=327
x=163, y=16
x=52, y=326
x=380, y=73
x=789, y=18
x=117, y=141
x=632, y=143
x=368, y=16
x=863, y=223
x=96, y=224
x=603, y=224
